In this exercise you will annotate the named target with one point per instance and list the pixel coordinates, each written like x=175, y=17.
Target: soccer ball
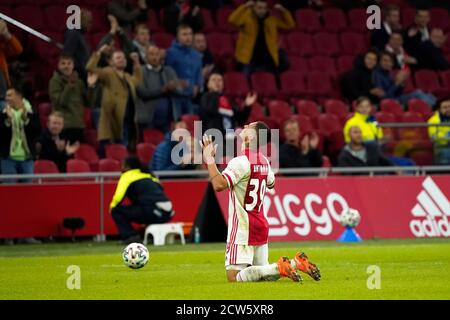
x=350, y=218
x=135, y=255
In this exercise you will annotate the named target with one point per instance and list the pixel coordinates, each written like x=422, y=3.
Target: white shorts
x=239, y=257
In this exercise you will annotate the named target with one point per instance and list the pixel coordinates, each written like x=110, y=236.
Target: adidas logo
x=431, y=211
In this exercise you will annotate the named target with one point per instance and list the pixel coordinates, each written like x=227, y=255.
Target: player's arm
x=218, y=181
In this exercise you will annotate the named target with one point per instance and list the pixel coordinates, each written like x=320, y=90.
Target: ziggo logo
x=321, y=217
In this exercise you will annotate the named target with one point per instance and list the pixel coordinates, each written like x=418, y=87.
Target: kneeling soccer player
x=247, y=177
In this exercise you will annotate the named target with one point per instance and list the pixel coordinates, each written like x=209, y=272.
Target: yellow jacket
x=438, y=134
x=247, y=22
x=370, y=132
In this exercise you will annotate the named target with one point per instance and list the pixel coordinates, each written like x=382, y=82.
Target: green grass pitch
x=410, y=269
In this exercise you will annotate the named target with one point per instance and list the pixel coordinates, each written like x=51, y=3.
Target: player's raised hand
x=208, y=148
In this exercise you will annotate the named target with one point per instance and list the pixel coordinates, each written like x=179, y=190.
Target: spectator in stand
x=53, y=145
x=363, y=119
x=19, y=126
x=358, y=153
x=359, y=81
x=299, y=150
x=149, y=203
x=157, y=93
x=201, y=45
x=117, y=118
x=294, y=5
x=10, y=47
x=142, y=42
x=431, y=55
x=391, y=23
x=418, y=32
x=162, y=158
x=127, y=14
x=217, y=112
x=182, y=12
x=68, y=94
x=402, y=59
x=393, y=87
x=257, y=46
x=441, y=135
x=187, y=63
x=76, y=45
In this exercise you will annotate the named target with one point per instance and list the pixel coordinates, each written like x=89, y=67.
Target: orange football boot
x=286, y=270
x=304, y=265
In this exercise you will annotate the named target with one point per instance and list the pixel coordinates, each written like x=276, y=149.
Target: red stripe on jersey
x=258, y=225
x=230, y=182
x=234, y=225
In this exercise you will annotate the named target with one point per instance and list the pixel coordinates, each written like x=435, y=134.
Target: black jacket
x=210, y=116
x=46, y=150
x=379, y=38
x=76, y=45
x=431, y=57
x=374, y=158
x=32, y=129
x=359, y=81
x=292, y=157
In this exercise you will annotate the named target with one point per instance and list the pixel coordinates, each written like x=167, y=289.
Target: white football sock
x=256, y=273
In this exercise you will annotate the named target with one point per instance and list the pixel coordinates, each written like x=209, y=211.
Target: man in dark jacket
x=418, y=33
x=359, y=154
x=182, y=12
x=76, y=45
x=299, y=152
x=127, y=14
x=431, y=55
x=217, y=112
x=53, y=145
x=149, y=203
x=69, y=95
x=19, y=125
x=156, y=93
x=380, y=37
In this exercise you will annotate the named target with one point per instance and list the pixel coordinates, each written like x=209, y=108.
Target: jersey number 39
x=257, y=194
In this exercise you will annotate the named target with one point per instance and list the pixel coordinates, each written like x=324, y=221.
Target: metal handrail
x=204, y=174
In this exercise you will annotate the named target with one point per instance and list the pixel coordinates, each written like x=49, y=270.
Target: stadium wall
x=298, y=209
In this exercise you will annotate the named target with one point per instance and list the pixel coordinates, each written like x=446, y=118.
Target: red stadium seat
x=91, y=137
x=336, y=107
x=222, y=20
x=236, y=84
x=392, y=106
x=328, y=123
x=293, y=84
x=300, y=44
x=334, y=20
x=319, y=85
x=77, y=166
x=153, y=136
x=55, y=17
x=420, y=106
x=220, y=44
x=153, y=22
x=385, y=117
x=308, y=108
x=208, y=22
x=116, y=151
x=45, y=166
x=445, y=79
x=145, y=152
x=100, y=22
x=408, y=16
x=190, y=120
x=353, y=43
x=264, y=84
x=279, y=110
x=304, y=122
x=421, y=158
x=323, y=64
x=358, y=20
x=31, y=15
x=271, y=123
x=440, y=18
x=162, y=39
x=44, y=108
x=298, y=64
x=344, y=63
x=326, y=44
x=87, y=153
x=307, y=20
x=412, y=133
x=256, y=112
x=428, y=81
x=109, y=165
